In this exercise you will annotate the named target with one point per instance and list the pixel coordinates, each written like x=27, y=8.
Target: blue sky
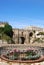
x=22, y=13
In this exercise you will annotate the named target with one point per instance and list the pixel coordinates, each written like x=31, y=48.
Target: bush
x=35, y=57
x=40, y=33
x=8, y=30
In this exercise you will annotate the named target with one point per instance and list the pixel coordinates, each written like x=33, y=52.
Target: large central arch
x=22, y=40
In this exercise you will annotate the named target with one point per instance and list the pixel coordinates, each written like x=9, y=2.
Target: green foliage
x=8, y=30
x=40, y=33
x=31, y=53
x=1, y=29
x=5, y=37
x=38, y=40
x=16, y=55
x=34, y=31
x=6, y=33
x=35, y=57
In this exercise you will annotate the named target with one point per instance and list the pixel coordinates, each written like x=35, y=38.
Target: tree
x=1, y=29
x=8, y=30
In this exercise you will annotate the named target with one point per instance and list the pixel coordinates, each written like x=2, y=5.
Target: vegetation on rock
x=6, y=33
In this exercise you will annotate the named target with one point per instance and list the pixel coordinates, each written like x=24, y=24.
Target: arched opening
x=31, y=34
x=22, y=40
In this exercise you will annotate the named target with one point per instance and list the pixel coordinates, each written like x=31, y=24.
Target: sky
x=22, y=13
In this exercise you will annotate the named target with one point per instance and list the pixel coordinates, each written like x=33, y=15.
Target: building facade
x=22, y=36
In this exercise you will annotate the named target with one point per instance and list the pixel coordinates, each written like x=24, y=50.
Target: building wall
x=18, y=33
